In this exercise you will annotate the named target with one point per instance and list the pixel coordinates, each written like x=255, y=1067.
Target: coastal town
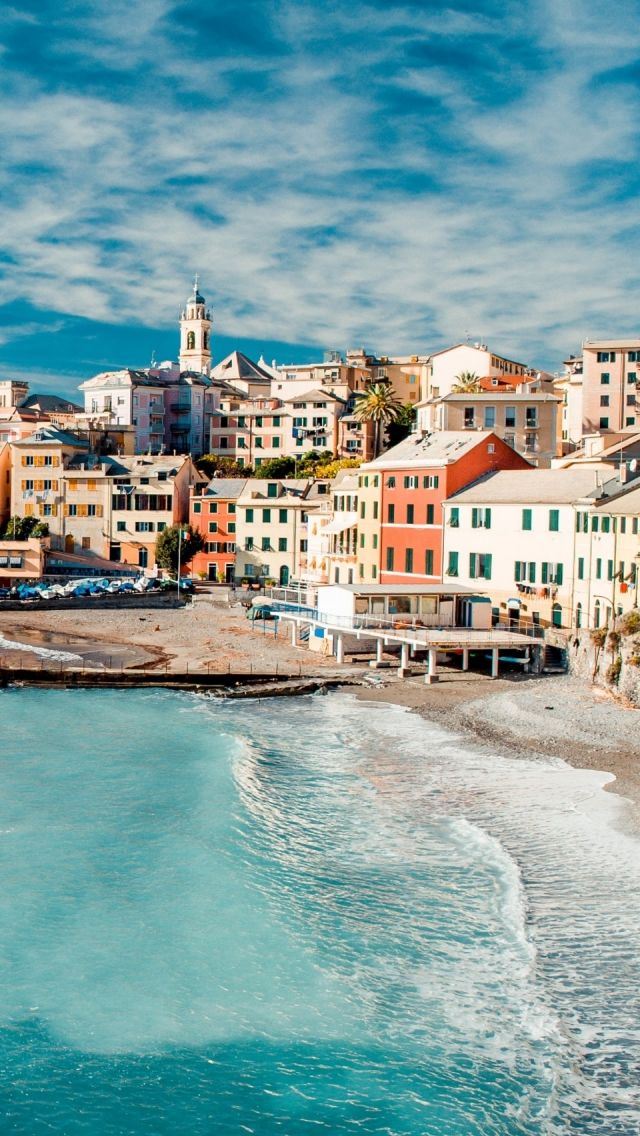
x=420, y=504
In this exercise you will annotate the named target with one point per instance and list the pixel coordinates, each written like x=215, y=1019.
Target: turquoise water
x=305, y=916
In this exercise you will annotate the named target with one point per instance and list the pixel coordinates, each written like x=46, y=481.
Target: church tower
x=195, y=334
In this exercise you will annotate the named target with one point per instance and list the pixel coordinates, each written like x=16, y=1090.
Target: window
x=481, y=518
x=604, y=423
x=633, y=356
x=430, y=482
x=361, y=540
x=527, y=520
x=282, y=544
x=520, y=571
x=489, y=417
x=391, y=483
x=231, y=526
x=430, y=514
x=606, y=357
x=454, y=517
x=554, y=520
x=605, y=378
x=248, y=544
x=121, y=526
x=266, y=516
x=390, y=558
x=266, y=544
x=410, y=514
x=362, y=510
x=598, y=569
x=411, y=482
x=272, y=489
x=632, y=377
x=551, y=573
x=375, y=510
x=256, y=441
x=86, y=542
x=630, y=421
x=374, y=540
x=391, y=514
x=605, y=526
x=604, y=399
x=197, y=507
x=581, y=567
x=428, y=562
x=249, y=516
x=213, y=526
x=408, y=560
x=452, y=566
x=258, y=420
x=480, y=565
x=469, y=417
x=510, y=417
x=283, y=516
x=531, y=417
x=609, y=569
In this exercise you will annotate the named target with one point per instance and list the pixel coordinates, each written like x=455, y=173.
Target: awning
x=340, y=523
x=514, y=602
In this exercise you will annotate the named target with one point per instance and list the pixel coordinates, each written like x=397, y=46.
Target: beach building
x=610, y=379
x=400, y=497
x=341, y=533
x=38, y=463
x=22, y=560
x=271, y=527
x=527, y=420
x=513, y=534
x=212, y=511
x=607, y=552
x=146, y=494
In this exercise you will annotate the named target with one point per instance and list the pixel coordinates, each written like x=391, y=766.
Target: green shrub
x=634, y=660
x=613, y=672
x=630, y=623
x=598, y=636
x=613, y=641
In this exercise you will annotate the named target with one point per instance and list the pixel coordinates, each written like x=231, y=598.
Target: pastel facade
x=272, y=519
x=528, y=421
x=610, y=386
x=343, y=551
x=444, y=367
x=21, y=560
x=400, y=498
x=213, y=513
x=607, y=555
x=513, y=534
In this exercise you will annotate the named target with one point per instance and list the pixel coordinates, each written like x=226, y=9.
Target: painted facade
x=610, y=377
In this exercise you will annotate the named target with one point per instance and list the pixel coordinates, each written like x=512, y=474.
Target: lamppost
x=179, y=552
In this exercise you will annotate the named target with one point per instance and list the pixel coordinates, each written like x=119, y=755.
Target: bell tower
x=195, y=334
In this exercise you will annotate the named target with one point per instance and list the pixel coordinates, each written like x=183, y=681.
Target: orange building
x=400, y=500
x=212, y=511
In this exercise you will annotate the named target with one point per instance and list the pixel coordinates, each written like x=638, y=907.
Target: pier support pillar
x=432, y=673
x=377, y=662
x=403, y=669
x=465, y=658
x=294, y=633
x=340, y=649
x=495, y=662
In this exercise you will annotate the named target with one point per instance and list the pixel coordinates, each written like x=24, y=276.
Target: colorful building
x=400, y=497
x=212, y=511
x=610, y=377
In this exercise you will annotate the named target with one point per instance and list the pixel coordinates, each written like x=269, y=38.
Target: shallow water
x=287, y=916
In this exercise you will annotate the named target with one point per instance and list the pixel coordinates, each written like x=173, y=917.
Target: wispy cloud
x=388, y=174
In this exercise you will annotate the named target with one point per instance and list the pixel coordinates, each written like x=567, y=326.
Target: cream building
x=272, y=527
x=514, y=535
x=342, y=532
x=527, y=421
x=607, y=554
x=443, y=368
x=610, y=385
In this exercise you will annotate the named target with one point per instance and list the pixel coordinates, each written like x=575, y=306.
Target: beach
x=556, y=717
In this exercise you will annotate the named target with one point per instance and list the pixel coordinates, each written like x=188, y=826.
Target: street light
x=179, y=552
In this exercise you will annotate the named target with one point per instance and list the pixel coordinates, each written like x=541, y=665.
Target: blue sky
x=340, y=174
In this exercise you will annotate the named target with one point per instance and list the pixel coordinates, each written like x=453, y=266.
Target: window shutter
x=474, y=518
x=487, y=566
x=516, y=572
x=472, y=565
x=487, y=518
x=559, y=573
x=545, y=572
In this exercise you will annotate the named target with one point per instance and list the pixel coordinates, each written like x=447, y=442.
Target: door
x=284, y=576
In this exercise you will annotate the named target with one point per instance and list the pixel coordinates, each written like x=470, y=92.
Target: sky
x=400, y=176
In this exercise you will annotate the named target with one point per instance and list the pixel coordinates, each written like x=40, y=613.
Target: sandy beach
x=555, y=716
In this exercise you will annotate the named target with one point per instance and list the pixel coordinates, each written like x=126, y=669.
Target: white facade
x=476, y=358
x=195, y=334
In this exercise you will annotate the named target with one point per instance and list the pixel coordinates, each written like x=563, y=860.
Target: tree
x=378, y=404
x=403, y=425
x=170, y=540
x=467, y=382
x=276, y=467
x=211, y=464
x=21, y=528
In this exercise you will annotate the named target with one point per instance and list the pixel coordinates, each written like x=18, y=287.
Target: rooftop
x=440, y=448
x=534, y=486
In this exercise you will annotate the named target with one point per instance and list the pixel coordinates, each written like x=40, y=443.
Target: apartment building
x=607, y=552
x=400, y=498
x=528, y=421
x=444, y=367
x=610, y=379
x=341, y=533
x=212, y=511
x=146, y=494
x=271, y=527
x=513, y=534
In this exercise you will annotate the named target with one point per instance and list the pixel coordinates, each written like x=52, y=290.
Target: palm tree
x=467, y=382
x=379, y=405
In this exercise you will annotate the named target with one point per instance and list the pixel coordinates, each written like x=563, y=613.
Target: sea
x=309, y=915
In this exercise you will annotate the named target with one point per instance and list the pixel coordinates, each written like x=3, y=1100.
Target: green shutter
x=474, y=518
x=472, y=565
x=487, y=518
x=545, y=572
x=487, y=566
x=526, y=520
x=559, y=573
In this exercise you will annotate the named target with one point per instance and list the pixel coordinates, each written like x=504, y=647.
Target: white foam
x=42, y=652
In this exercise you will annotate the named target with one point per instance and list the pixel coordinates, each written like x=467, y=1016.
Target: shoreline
x=547, y=717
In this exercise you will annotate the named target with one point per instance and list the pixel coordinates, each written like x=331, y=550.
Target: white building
x=513, y=534
x=445, y=366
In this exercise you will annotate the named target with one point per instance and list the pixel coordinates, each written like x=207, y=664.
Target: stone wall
x=610, y=657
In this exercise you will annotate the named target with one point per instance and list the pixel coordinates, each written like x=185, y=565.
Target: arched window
x=596, y=614
x=206, y=341
x=579, y=615
x=191, y=340
x=556, y=615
